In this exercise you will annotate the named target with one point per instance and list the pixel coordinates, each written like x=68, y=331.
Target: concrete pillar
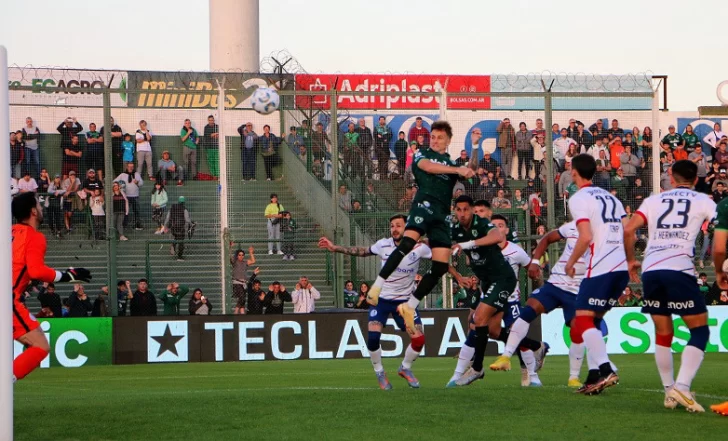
x=234, y=35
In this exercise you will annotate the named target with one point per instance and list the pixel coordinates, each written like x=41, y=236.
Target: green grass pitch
x=340, y=400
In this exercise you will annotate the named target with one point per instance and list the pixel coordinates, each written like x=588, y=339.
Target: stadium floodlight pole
x=223, y=191
x=338, y=257
x=656, y=165
x=109, y=197
x=6, y=272
x=550, y=198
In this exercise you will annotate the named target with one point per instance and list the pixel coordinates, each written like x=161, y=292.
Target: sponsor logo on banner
x=167, y=341
x=631, y=332
x=85, y=86
x=75, y=342
x=392, y=83
x=171, y=89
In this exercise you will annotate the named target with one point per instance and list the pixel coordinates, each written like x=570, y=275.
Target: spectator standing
x=320, y=143
x=78, y=302
x=53, y=203
x=256, y=296
x=419, y=130
x=561, y=146
x=365, y=140
x=288, y=227
x=72, y=155
x=199, y=305
x=91, y=183
x=159, y=206
x=68, y=129
x=167, y=168
x=555, y=132
x=538, y=145
x=295, y=140
x=524, y=150
x=583, y=139
x=350, y=151
x=128, y=148
x=96, y=202
x=571, y=128
x=539, y=130
x=507, y=145
x=100, y=308
x=50, y=300
x=94, y=150
x=71, y=202
x=276, y=298
x=132, y=182
x=345, y=198
x=240, y=277
x=713, y=137
x=410, y=156
x=143, y=138
x=117, y=136
x=172, y=297
x=123, y=295
x=27, y=184
x=615, y=131
x=143, y=303
x=31, y=135
x=268, y=143
x=351, y=297
x=699, y=158
x=304, y=297
x=382, y=141
x=273, y=215
x=211, y=144
x=248, y=144
x=178, y=221
x=121, y=209
x=190, y=139
x=400, y=151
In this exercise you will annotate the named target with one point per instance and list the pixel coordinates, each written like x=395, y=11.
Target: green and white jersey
x=673, y=140
x=434, y=188
x=721, y=218
x=486, y=262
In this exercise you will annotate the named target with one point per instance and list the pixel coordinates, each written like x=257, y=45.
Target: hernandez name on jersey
x=604, y=212
x=558, y=276
x=674, y=219
x=401, y=284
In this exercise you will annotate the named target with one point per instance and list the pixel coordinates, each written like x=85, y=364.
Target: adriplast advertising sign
x=631, y=332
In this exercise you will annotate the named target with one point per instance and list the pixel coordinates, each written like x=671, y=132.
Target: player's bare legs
x=37, y=349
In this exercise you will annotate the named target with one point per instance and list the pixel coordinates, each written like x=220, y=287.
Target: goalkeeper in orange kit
x=29, y=248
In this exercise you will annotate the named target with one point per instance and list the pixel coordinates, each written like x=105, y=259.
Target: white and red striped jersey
x=517, y=258
x=674, y=219
x=604, y=213
x=558, y=275
x=401, y=284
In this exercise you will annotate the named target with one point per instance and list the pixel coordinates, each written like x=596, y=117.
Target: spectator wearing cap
x=27, y=184
x=304, y=297
x=400, y=152
x=211, y=144
x=71, y=202
x=167, y=168
x=722, y=179
x=53, y=203
x=178, y=222
x=571, y=128
x=248, y=146
x=143, y=138
x=131, y=181
x=190, y=140
x=273, y=216
x=199, y=304
x=699, y=158
x=419, y=130
x=713, y=138
x=143, y=303
x=276, y=298
x=672, y=139
x=488, y=164
x=598, y=126
x=91, y=183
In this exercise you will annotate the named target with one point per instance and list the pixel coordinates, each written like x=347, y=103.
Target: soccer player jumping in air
x=29, y=247
x=599, y=218
x=396, y=290
x=436, y=175
x=674, y=219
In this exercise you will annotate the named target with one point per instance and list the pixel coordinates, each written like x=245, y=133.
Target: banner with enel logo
x=75, y=342
x=631, y=332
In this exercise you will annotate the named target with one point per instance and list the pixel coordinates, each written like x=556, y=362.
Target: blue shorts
x=551, y=297
x=600, y=293
x=671, y=292
x=384, y=308
x=511, y=313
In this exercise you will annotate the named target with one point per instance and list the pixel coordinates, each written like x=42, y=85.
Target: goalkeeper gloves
x=74, y=275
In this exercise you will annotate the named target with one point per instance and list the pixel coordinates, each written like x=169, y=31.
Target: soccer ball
x=265, y=100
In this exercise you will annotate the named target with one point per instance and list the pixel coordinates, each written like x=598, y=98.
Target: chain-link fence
x=188, y=175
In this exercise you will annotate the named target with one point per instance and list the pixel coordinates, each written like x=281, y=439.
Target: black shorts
x=430, y=219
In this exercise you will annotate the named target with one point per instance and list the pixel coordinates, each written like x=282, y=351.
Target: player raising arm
x=29, y=247
x=674, y=219
x=436, y=175
x=395, y=291
x=599, y=220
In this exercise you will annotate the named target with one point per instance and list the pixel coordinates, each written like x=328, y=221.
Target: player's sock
x=464, y=358
x=428, y=282
x=481, y=342
x=518, y=332
x=595, y=345
x=692, y=357
x=413, y=351
x=26, y=362
x=576, y=359
x=663, y=358
x=376, y=357
x=406, y=245
x=530, y=361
